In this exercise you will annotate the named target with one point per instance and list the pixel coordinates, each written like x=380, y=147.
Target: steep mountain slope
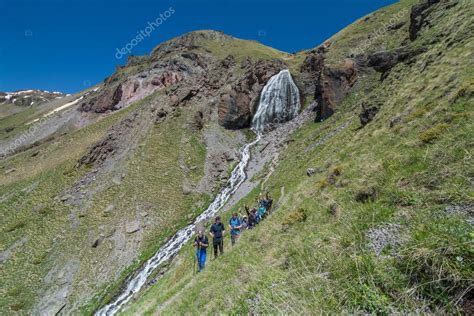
x=93, y=185
x=375, y=204
x=383, y=222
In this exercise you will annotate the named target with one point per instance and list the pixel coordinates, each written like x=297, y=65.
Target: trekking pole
x=194, y=262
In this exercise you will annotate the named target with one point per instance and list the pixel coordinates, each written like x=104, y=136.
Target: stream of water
x=279, y=101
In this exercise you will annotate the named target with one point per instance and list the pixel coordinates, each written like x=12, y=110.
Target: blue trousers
x=201, y=258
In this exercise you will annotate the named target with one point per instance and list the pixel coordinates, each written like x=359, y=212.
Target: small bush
x=337, y=170
x=17, y=306
x=416, y=114
x=366, y=195
x=296, y=216
x=433, y=133
x=45, y=211
x=16, y=225
x=14, y=291
x=322, y=183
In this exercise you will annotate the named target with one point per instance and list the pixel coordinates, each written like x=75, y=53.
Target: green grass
x=242, y=49
x=308, y=258
x=31, y=209
x=312, y=255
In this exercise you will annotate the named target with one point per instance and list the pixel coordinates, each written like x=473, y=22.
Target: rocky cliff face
x=328, y=84
x=237, y=105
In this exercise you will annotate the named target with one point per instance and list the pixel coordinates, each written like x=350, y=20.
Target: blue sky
x=61, y=45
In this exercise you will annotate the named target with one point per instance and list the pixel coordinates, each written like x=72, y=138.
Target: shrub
x=16, y=225
x=322, y=183
x=433, y=133
x=296, y=216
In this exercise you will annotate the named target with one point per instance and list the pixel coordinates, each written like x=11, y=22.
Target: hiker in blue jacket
x=201, y=243
x=235, y=224
x=262, y=212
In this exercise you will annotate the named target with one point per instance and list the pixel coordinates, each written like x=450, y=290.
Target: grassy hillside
x=385, y=225
x=54, y=251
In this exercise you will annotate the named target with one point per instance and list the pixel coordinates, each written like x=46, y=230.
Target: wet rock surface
x=236, y=106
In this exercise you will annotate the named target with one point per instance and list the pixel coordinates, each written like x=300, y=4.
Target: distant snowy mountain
x=29, y=97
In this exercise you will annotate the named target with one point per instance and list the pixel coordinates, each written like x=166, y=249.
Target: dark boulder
x=234, y=109
x=368, y=113
x=383, y=61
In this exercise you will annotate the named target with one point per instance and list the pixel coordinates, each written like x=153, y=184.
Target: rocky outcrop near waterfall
x=327, y=83
x=238, y=103
x=332, y=86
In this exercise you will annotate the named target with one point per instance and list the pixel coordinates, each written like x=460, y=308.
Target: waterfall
x=279, y=102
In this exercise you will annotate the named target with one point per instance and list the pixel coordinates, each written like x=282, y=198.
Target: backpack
x=239, y=222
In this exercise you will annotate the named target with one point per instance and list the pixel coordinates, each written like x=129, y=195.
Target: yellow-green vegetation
x=325, y=248
x=371, y=33
x=418, y=167
x=242, y=49
x=29, y=210
x=55, y=233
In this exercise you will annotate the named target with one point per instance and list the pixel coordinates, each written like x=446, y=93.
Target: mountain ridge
x=103, y=183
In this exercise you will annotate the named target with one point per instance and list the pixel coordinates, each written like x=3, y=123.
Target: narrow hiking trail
x=279, y=102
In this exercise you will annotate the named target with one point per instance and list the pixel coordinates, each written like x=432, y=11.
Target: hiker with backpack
x=251, y=218
x=235, y=224
x=256, y=215
x=245, y=223
x=217, y=232
x=268, y=203
x=201, y=243
x=262, y=212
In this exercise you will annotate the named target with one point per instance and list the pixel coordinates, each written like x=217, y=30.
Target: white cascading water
x=279, y=102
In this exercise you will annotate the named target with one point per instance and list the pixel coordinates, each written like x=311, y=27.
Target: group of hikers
x=237, y=224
